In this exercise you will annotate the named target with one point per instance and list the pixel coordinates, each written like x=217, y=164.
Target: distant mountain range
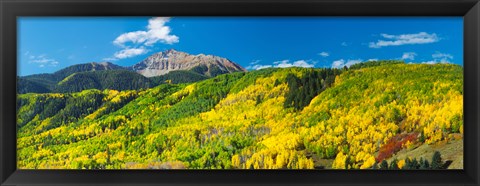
x=169, y=66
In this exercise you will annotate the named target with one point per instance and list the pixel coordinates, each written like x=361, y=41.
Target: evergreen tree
x=408, y=164
x=421, y=163
x=436, y=160
x=422, y=137
x=394, y=165
x=384, y=165
x=415, y=164
x=425, y=165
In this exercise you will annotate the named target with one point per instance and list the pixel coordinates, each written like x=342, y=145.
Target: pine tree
x=394, y=165
x=415, y=164
x=436, y=160
x=427, y=164
x=421, y=163
x=384, y=165
x=422, y=137
x=424, y=164
x=408, y=164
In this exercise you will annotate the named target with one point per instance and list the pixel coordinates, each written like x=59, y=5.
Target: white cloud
x=373, y=59
x=157, y=32
x=255, y=66
x=287, y=63
x=405, y=39
x=409, y=55
x=130, y=52
x=41, y=60
x=303, y=63
x=432, y=62
x=439, y=57
x=352, y=62
x=255, y=62
x=429, y=62
x=341, y=63
x=282, y=64
x=258, y=67
x=134, y=37
x=324, y=54
x=344, y=44
x=338, y=63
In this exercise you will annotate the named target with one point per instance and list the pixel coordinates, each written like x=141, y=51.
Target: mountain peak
x=170, y=60
x=104, y=65
x=166, y=53
x=92, y=66
x=172, y=50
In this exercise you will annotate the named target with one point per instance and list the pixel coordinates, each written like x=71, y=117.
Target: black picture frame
x=11, y=9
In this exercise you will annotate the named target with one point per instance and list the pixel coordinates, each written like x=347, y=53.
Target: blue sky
x=48, y=44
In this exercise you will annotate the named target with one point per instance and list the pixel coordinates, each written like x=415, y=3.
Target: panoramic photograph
x=382, y=93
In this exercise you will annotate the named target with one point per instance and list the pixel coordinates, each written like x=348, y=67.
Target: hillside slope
x=178, y=76
x=41, y=83
x=245, y=120
x=113, y=79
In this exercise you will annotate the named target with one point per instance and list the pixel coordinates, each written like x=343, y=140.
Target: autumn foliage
x=395, y=144
x=246, y=120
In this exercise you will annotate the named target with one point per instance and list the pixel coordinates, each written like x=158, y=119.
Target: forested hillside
x=275, y=118
x=42, y=83
x=115, y=80
x=178, y=76
x=68, y=80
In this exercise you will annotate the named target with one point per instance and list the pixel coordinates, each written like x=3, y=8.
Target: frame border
x=11, y=9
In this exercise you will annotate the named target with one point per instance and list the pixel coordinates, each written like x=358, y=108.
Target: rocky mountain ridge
x=164, y=62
